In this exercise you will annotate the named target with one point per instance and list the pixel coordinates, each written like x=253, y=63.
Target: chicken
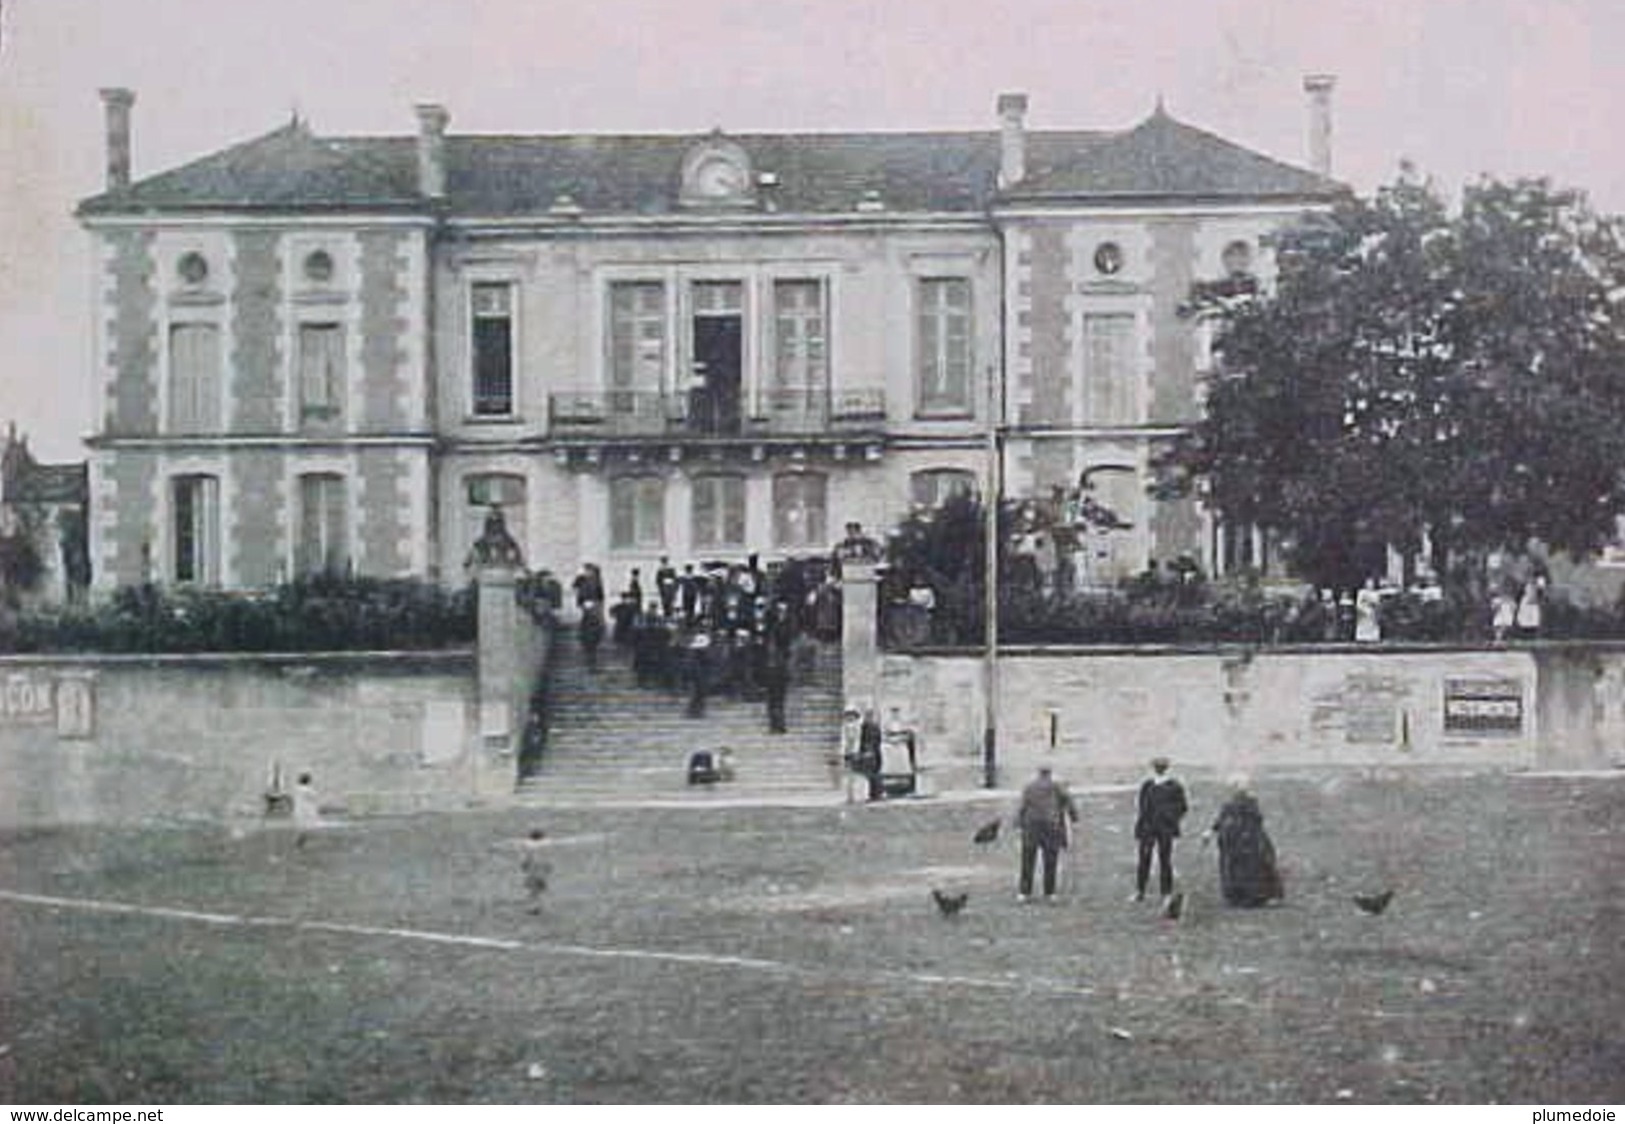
x=949, y=904
x=1374, y=903
x=987, y=833
x=1173, y=906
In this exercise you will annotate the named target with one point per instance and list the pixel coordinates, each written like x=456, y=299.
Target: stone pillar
x=496, y=754
x=860, y=647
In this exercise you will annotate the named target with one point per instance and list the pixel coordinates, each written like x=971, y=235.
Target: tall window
x=321, y=372
x=1111, y=378
x=194, y=378
x=936, y=486
x=798, y=510
x=801, y=352
x=719, y=511
x=637, y=512
x=943, y=345
x=493, y=349
x=195, y=509
x=324, y=525
x=637, y=339
x=503, y=491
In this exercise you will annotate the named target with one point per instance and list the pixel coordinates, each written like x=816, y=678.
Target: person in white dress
x=307, y=810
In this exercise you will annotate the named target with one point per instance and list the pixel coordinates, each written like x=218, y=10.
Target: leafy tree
x=21, y=567
x=1419, y=375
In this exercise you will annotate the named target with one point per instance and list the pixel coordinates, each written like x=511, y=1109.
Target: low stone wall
x=1101, y=712
x=125, y=739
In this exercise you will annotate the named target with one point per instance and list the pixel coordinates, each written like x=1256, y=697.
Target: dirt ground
x=764, y=955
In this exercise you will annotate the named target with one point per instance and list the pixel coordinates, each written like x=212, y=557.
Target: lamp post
x=990, y=588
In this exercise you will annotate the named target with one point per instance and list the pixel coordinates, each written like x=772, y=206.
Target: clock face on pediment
x=716, y=171
x=719, y=178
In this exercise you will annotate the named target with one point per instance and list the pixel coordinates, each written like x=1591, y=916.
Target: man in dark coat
x=776, y=681
x=1162, y=806
x=1046, y=810
x=870, y=736
x=666, y=586
x=688, y=593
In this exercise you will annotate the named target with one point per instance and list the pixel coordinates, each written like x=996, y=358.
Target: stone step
x=611, y=739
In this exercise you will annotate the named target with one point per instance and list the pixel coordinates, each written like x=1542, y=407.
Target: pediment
x=716, y=172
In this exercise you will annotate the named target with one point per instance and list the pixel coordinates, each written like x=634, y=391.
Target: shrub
x=324, y=613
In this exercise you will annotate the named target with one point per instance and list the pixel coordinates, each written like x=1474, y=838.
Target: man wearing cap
x=1046, y=809
x=1162, y=806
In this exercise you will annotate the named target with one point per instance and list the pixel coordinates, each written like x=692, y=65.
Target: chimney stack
x=1319, y=89
x=1012, y=139
x=432, y=120
x=117, y=101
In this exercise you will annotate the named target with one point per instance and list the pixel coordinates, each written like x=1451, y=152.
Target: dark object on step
x=1374, y=903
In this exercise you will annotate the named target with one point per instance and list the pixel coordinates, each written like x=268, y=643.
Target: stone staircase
x=610, y=740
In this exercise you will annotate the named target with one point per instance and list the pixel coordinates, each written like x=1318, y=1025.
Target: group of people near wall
x=879, y=761
x=720, y=627
x=1248, y=873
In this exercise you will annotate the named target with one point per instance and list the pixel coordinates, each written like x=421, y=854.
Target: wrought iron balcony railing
x=637, y=413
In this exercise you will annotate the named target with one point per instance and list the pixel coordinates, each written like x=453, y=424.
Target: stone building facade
x=320, y=352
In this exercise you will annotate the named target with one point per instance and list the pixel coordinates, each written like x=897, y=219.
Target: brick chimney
x=1319, y=89
x=117, y=101
x=432, y=120
x=1012, y=139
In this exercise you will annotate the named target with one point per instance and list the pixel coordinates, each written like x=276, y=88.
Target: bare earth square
x=770, y=955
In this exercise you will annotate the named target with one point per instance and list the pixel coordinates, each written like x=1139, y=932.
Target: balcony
x=622, y=414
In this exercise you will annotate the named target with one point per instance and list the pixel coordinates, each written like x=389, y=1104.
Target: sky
x=1459, y=87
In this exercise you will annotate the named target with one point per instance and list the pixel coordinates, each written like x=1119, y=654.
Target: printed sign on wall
x=75, y=707
x=30, y=698
x=27, y=698
x=1483, y=705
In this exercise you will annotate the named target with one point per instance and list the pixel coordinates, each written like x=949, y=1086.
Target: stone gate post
x=859, y=557
x=496, y=563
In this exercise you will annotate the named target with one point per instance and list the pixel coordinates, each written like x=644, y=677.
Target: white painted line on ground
x=122, y=907
x=409, y=934
x=711, y=959
x=704, y=959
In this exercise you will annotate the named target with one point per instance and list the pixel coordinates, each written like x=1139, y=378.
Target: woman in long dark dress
x=1248, y=875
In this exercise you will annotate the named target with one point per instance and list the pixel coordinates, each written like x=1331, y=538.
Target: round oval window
x=193, y=268
x=1238, y=259
x=319, y=266
x=1108, y=258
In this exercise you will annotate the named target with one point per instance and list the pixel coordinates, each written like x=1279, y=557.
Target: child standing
x=307, y=811
x=536, y=869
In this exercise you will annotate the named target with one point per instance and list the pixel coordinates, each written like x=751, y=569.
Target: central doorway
x=715, y=391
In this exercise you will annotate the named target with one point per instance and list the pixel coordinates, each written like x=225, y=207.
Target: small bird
x=949, y=904
x=1173, y=905
x=1374, y=903
x=987, y=833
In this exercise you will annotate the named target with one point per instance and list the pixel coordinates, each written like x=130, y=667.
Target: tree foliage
x=1419, y=375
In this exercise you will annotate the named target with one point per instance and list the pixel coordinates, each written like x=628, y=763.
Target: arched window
x=934, y=487
x=799, y=515
x=719, y=511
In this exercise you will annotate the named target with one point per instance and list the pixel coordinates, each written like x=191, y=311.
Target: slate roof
x=508, y=176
